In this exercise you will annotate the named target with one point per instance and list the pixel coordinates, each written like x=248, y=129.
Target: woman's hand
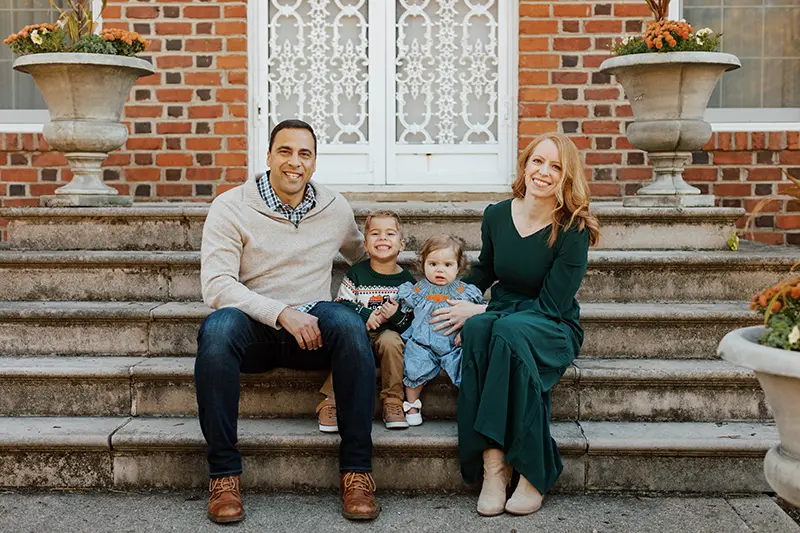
x=453, y=317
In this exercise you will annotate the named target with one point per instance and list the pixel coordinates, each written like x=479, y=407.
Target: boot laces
x=220, y=486
x=394, y=409
x=359, y=481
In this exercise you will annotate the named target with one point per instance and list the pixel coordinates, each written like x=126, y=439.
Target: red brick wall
x=562, y=42
x=188, y=122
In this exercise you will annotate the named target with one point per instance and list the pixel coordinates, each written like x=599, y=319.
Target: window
x=765, y=36
x=22, y=107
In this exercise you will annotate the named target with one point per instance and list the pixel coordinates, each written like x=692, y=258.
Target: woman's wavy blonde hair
x=572, y=195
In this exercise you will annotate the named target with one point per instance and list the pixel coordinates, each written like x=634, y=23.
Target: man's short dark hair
x=292, y=124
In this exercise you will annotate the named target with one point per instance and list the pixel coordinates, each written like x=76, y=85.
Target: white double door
x=399, y=92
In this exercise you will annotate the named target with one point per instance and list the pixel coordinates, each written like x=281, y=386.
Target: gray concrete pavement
x=24, y=512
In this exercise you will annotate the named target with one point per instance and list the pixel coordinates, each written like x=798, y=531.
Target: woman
x=535, y=246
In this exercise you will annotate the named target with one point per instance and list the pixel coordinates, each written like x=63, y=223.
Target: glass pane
x=700, y=3
x=6, y=94
x=782, y=83
x=704, y=17
x=783, y=32
x=742, y=30
x=742, y=3
x=319, y=67
x=446, y=73
x=6, y=29
x=742, y=87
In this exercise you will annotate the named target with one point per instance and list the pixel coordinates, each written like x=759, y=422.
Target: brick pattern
x=188, y=122
x=561, y=45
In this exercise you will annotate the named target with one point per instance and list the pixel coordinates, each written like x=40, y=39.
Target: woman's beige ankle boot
x=496, y=475
x=525, y=500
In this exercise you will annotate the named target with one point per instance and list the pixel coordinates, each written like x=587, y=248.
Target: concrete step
x=179, y=226
x=592, y=389
x=613, y=275
x=169, y=453
x=613, y=330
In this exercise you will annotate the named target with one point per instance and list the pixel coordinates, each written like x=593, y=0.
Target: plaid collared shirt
x=293, y=215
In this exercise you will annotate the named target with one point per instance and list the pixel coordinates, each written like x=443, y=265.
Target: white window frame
x=258, y=134
x=745, y=119
x=33, y=120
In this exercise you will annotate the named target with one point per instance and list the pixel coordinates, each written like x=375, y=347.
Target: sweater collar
x=251, y=196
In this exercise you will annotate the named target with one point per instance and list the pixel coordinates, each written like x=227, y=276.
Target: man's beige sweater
x=255, y=260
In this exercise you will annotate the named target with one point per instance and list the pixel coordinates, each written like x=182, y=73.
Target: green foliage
x=39, y=41
x=779, y=328
x=94, y=44
x=637, y=45
x=124, y=49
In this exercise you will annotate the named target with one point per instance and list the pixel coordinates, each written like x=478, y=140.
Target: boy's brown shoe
x=225, y=502
x=326, y=413
x=358, y=496
x=393, y=415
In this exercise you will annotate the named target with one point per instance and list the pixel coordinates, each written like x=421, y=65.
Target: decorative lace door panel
x=404, y=92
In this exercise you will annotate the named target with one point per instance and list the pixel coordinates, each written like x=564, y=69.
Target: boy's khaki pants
x=387, y=345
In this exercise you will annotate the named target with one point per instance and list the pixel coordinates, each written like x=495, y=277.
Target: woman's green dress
x=520, y=347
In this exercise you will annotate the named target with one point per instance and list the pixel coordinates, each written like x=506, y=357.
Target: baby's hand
x=457, y=339
x=375, y=321
x=389, y=308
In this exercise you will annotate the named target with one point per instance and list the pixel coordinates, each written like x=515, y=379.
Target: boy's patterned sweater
x=365, y=290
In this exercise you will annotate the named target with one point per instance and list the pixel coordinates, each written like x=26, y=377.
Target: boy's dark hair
x=292, y=124
x=440, y=242
x=384, y=213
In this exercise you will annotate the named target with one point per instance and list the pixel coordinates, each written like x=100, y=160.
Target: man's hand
x=389, y=308
x=375, y=321
x=303, y=327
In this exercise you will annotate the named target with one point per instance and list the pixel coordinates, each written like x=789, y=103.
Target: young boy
x=370, y=288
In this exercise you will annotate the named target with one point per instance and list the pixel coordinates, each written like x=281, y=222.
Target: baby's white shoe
x=413, y=419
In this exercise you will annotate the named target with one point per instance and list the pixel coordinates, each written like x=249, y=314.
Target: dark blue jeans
x=230, y=343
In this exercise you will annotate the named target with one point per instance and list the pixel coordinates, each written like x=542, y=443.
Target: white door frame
x=258, y=103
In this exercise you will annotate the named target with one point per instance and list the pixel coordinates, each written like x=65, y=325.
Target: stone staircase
x=99, y=311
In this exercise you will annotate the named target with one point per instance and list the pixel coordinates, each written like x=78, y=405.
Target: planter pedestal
x=668, y=188
x=85, y=94
x=778, y=372
x=669, y=94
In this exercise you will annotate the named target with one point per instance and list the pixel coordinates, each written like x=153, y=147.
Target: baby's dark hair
x=441, y=242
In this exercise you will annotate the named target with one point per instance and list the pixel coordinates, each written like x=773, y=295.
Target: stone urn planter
x=778, y=372
x=669, y=93
x=85, y=94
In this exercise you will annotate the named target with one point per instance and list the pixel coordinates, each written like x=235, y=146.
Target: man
x=266, y=261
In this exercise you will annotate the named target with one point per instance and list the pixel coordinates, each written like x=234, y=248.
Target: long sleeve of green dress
x=515, y=352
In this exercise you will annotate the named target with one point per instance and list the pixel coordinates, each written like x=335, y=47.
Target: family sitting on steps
x=266, y=266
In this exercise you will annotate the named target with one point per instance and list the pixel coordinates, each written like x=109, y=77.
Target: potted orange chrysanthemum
x=85, y=77
x=668, y=75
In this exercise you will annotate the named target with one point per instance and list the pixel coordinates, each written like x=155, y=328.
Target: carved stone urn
x=778, y=372
x=669, y=93
x=85, y=94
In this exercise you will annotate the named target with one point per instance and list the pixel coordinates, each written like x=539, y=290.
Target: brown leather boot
x=358, y=498
x=225, y=502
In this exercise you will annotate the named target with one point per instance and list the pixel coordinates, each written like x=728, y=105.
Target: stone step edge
x=598, y=259
x=472, y=210
x=134, y=434
x=628, y=312
x=650, y=372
